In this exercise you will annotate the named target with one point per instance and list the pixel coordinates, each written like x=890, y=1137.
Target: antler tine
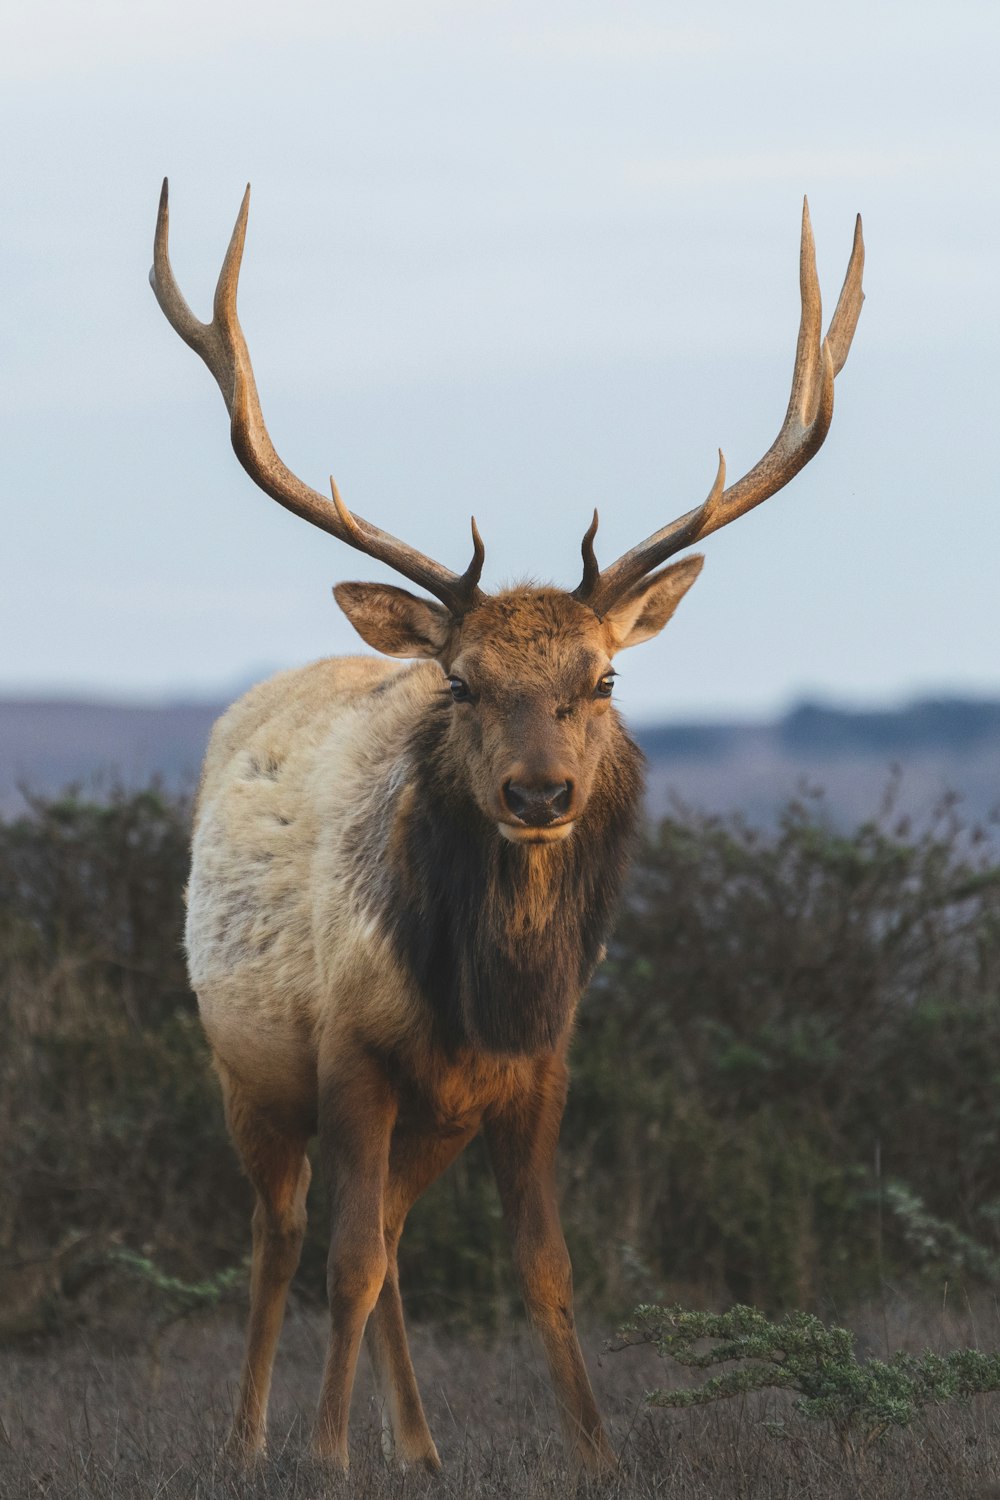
x=223, y=348
x=848, y=310
x=600, y=588
x=807, y=422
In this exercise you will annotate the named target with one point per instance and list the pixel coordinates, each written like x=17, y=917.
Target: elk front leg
x=522, y=1142
x=416, y=1160
x=356, y=1116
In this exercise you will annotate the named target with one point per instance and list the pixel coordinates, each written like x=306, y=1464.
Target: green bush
x=110, y=1128
x=814, y=1363
x=795, y=1041
x=785, y=1076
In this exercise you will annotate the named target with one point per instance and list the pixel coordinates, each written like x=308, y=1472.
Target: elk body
x=402, y=879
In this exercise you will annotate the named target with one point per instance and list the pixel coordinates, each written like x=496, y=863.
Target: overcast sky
x=516, y=258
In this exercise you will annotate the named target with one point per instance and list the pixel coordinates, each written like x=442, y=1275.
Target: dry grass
x=84, y=1418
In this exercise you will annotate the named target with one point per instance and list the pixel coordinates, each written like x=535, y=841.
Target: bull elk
x=403, y=878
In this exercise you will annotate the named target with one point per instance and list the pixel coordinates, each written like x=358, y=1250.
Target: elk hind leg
x=274, y=1158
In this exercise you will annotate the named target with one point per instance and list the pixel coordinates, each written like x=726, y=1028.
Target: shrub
x=110, y=1129
x=795, y=1041
x=785, y=1077
x=815, y=1363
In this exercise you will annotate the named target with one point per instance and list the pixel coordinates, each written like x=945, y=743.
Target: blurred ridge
x=932, y=748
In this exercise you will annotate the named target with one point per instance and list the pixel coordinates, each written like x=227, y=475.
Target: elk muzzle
x=538, y=808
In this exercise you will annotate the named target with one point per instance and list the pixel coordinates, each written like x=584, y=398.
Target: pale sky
x=517, y=259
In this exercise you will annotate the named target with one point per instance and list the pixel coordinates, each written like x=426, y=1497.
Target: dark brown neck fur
x=502, y=938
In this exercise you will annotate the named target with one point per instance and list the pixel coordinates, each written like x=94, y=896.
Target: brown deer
x=403, y=878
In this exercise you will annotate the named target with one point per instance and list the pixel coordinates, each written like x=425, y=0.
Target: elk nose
x=538, y=805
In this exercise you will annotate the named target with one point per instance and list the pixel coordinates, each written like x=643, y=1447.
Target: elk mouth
x=522, y=833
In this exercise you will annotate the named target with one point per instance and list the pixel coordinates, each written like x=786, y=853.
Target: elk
x=402, y=879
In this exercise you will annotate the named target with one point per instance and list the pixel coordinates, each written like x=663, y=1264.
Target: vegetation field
x=132, y=1419
x=786, y=1094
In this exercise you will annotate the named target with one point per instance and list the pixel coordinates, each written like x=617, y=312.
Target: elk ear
x=647, y=607
x=393, y=621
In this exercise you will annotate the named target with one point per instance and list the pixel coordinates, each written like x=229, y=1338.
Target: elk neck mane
x=502, y=938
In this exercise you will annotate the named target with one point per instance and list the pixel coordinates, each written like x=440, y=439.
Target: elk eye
x=606, y=685
x=459, y=690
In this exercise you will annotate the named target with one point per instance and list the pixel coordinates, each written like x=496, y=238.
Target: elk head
x=528, y=671
x=530, y=680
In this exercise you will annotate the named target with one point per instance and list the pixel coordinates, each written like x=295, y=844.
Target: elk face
x=530, y=677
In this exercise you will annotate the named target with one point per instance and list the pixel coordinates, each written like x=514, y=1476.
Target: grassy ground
x=86, y=1417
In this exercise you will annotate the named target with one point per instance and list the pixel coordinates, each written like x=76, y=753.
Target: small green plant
x=817, y=1363
x=179, y=1298
x=933, y=1239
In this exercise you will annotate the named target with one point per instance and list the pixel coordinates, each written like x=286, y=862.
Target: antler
x=806, y=424
x=223, y=348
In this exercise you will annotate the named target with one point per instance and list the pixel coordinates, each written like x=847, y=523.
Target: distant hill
x=932, y=752
x=47, y=744
x=937, y=746
x=958, y=725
